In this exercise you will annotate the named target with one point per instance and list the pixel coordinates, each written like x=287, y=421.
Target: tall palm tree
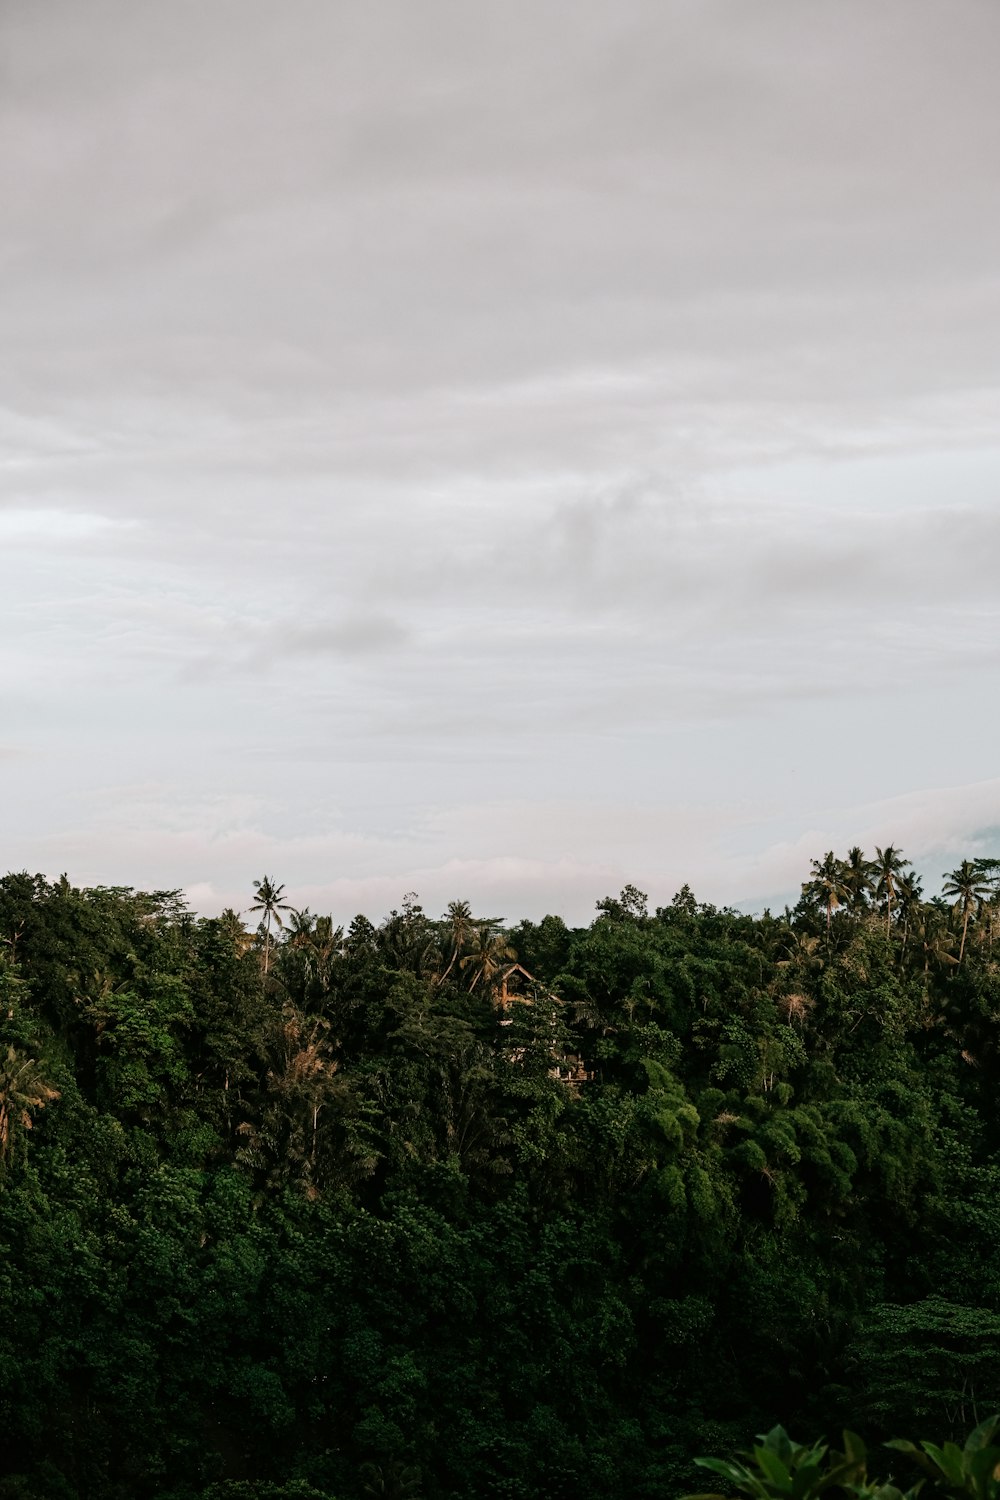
x=325, y=942
x=459, y=919
x=857, y=877
x=990, y=870
x=889, y=866
x=827, y=887
x=909, y=893
x=969, y=887
x=270, y=903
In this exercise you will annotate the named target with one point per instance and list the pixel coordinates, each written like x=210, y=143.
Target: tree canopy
x=445, y=1207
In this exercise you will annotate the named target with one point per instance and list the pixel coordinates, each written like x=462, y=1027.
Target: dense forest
x=452, y=1208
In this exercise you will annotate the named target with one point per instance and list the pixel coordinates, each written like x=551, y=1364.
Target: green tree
x=269, y=902
x=968, y=887
x=489, y=953
x=932, y=939
x=857, y=875
x=827, y=886
x=909, y=890
x=23, y=1092
x=889, y=867
x=459, y=925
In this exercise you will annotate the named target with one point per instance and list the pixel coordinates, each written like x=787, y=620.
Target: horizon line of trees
x=854, y=886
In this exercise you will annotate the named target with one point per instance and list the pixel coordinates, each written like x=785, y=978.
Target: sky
x=498, y=451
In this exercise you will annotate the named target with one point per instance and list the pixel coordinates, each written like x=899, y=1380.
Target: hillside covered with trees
x=449, y=1208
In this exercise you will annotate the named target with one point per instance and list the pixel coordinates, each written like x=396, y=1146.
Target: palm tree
x=827, y=888
x=990, y=871
x=909, y=890
x=969, y=886
x=231, y=926
x=23, y=1091
x=459, y=918
x=300, y=926
x=490, y=953
x=801, y=951
x=325, y=942
x=857, y=877
x=397, y=1481
x=889, y=866
x=933, y=940
x=270, y=903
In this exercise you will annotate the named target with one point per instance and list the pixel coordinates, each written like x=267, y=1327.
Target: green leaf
x=777, y=1441
x=982, y=1466
x=806, y=1481
x=735, y=1472
x=854, y=1449
x=983, y=1436
x=771, y=1465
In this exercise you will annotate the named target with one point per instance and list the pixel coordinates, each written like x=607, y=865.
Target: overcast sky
x=497, y=450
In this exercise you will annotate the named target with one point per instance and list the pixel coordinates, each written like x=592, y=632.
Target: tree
x=394, y=1481
x=827, y=886
x=909, y=891
x=990, y=870
x=459, y=919
x=23, y=1091
x=231, y=925
x=300, y=926
x=489, y=953
x=857, y=878
x=270, y=903
x=324, y=944
x=969, y=886
x=889, y=866
x=933, y=940
x=630, y=905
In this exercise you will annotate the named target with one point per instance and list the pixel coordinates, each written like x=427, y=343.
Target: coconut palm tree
x=325, y=942
x=990, y=871
x=827, y=887
x=459, y=918
x=857, y=877
x=23, y=1091
x=909, y=893
x=490, y=953
x=802, y=952
x=969, y=887
x=932, y=938
x=300, y=926
x=889, y=866
x=231, y=926
x=270, y=903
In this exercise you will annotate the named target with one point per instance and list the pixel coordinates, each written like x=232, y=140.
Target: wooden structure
x=518, y=987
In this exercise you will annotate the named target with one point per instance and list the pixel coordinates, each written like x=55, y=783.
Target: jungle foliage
x=446, y=1208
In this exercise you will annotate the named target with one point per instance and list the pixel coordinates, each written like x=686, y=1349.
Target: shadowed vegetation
x=448, y=1208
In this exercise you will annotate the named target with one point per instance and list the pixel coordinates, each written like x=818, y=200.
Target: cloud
x=357, y=636
x=509, y=412
x=22, y=527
